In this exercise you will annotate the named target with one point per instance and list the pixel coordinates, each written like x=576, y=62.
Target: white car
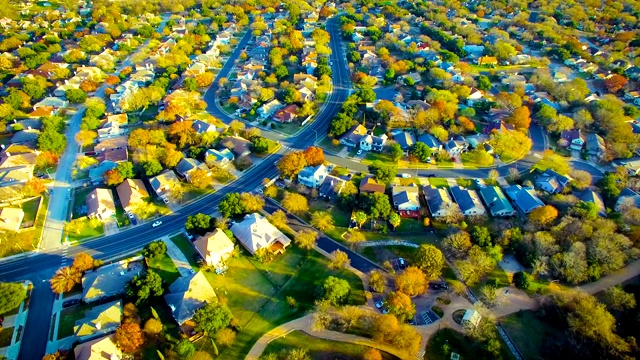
x=130, y=215
x=359, y=152
x=405, y=175
x=157, y=223
x=379, y=304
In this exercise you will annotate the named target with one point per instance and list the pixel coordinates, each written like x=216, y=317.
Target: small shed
x=471, y=317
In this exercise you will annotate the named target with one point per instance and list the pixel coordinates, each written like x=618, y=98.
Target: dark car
x=431, y=175
x=70, y=302
x=401, y=263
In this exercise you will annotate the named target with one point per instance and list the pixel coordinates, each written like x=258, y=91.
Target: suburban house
x=370, y=142
x=593, y=197
x=98, y=349
x=369, y=184
x=471, y=318
x=331, y=187
x=352, y=137
x=188, y=294
x=221, y=158
x=575, y=139
x=497, y=203
x=11, y=218
x=468, y=201
x=430, y=141
x=163, y=183
x=287, y=114
x=215, y=247
x=100, y=204
x=524, y=198
x=595, y=145
x=438, y=200
x=187, y=166
x=131, y=193
x=109, y=280
x=112, y=143
x=406, y=199
x=627, y=198
x=255, y=232
x=101, y=319
x=16, y=168
x=238, y=146
x=202, y=127
x=631, y=165
x=313, y=176
x=455, y=147
x=552, y=182
x=269, y=108
x=405, y=139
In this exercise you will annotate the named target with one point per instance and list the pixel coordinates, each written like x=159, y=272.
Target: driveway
x=178, y=257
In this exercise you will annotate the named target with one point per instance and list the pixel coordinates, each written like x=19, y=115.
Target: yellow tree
x=65, y=279
x=543, y=215
x=295, y=203
x=412, y=281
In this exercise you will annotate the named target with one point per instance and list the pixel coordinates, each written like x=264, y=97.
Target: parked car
x=431, y=175
x=401, y=263
x=157, y=223
x=359, y=152
x=379, y=304
x=70, y=302
x=385, y=311
x=405, y=175
x=130, y=215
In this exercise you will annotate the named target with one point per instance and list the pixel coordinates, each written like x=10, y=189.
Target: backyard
x=26, y=240
x=30, y=208
x=187, y=248
x=165, y=267
x=445, y=341
x=320, y=349
x=530, y=333
x=68, y=318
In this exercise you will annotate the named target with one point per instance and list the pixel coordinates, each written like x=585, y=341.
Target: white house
x=255, y=232
x=468, y=201
x=313, y=176
x=406, y=199
x=215, y=247
x=269, y=108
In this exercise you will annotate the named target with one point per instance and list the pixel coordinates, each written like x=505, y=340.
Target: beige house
x=100, y=204
x=11, y=218
x=103, y=348
x=215, y=247
x=131, y=193
x=102, y=318
x=163, y=183
x=188, y=294
x=255, y=232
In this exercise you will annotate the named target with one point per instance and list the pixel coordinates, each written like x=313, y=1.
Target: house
x=109, y=280
x=430, y=141
x=215, y=247
x=237, y=145
x=468, y=201
x=163, y=183
x=552, y=182
x=590, y=196
x=195, y=69
x=220, y=158
x=455, y=147
x=202, y=127
x=372, y=142
x=25, y=136
x=471, y=318
x=487, y=60
x=103, y=348
x=187, y=166
x=369, y=184
x=574, y=138
x=474, y=96
x=438, y=200
x=11, y=218
x=269, y=108
x=287, y=114
x=406, y=199
x=595, y=145
x=255, y=232
x=313, y=176
x=627, y=198
x=497, y=203
x=352, y=137
x=405, y=139
x=524, y=198
x=108, y=132
x=497, y=125
x=188, y=294
x=96, y=174
x=102, y=319
x=131, y=193
x=306, y=95
x=100, y=204
x=411, y=77
x=331, y=187
x=113, y=143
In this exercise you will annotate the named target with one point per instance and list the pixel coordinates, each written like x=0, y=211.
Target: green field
x=530, y=333
x=457, y=342
x=30, y=209
x=165, y=267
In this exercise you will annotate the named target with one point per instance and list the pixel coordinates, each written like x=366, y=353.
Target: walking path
x=178, y=257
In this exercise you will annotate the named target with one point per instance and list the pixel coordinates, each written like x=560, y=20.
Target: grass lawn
x=286, y=128
x=30, y=209
x=68, y=318
x=498, y=275
x=194, y=193
x=409, y=225
x=165, y=267
x=257, y=298
x=439, y=182
x=326, y=143
x=319, y=348
x=458, y=343
x=5, y=337
x=468, y=160
x=79, y=208
x=340, y=216
x=530, y=333
x=467, y=183
x=187, y=248
x=86, y=230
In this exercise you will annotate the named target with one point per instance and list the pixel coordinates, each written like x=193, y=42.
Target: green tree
x=190, y=84
x=484, y=83
x=396, y=152
x=199, y=223
x=377, y=281
x=142, y=287
x=155, y=249
x=125, y=169
x=481, y=236
x=76, y=96
x=430, y=260
x=395, y=220
x=421, y=151
x=360, y=217
x=185, y=349
x=11, y=295
x=259, y=145
x=377, y=205
x=231, y=205
x=618, y=299
x=477, y=265
x=322, y=221
x=335, y=290
x=212, y=317
x=383, y=173
x=52, y=141
x=522, y=280
x=151, y=167
x=400, y=305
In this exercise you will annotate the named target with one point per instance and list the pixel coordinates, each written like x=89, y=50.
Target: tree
x=377, y=205
x=86, y=137
x=112, y=177
x=553, y=161
x=151, y=167
x=190, y=84
x=615, y=83
x=383, y=173
x=372, y=354
x=543, y=215
x=396, y=152
x=142, y=287
x=400, y=305
x=225, y=337
x=314, y=156
x=83, y=262
x=412, y=281
x=340, y=259
x=65, y=279
x=377, y=281
x=231, y=205
x=430, y=260
x=522, y=280
x=155, y=249
x=198, y=223
x=360, y=217
x=581, y=179
x=484, y=83
x=52, y=141
x=488, y=295
x=76, y=96
x=520, y=118
x=322, y=220
x=153, y=327
x=618, y=299
x=278, y=219
x=200, y=178
x=458, y=244
x=129, y=338
x=477, y=265
x=34, y=187
x=291, y=164
x=335, y=290
x=184, y=348
x=295, y=203
x=259, y=145
x=11, y=295
x=395, y=220
x=251, y=203
x=306, y=239
x=212, y=317
x=421, y=151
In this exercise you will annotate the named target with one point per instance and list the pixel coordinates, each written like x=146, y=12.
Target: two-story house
x=313, y=176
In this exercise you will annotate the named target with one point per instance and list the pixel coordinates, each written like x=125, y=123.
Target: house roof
x=108, y=280
x=103, y=348
x=595, y=143
x=131, y=191
x=201, y=127
x=188, y=294
x=112, y=143
x=237, y=145
x=404, y=139
x=17, y=167
x=25, y=136
x=256, y=232
x=495, y=199
x=113, y=155
x=430, y=141
x=220, y=155
x=369, y=184
x=409, y=195
x=593, y=197
x=467, y=199
x=571, y=135
x=166, y=178
x=437, y=198
x=628, y=197
x=525, y=198
x=216, y=242
x=186, y=165
x=101, y=317
x=11, y=218
x=313, y=171
x=331, y=186
x=354, y=134
x=100, y=201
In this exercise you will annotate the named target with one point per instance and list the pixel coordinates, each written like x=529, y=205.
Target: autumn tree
x=153, y=327
x=618, y=299
x=65, y=279
x=34, y=187
x=543, y=215
x=581, y=179
x=306, y=239
x=458, y=244
x=83, y=262
x=295, y=203
x=291, y=164
x=520, y=118
x=340, y=259
x=278, y=219
x=400, y=305
x=430, y=260
x=477, y=265
x=615, y=83
x=553, y=161
x=112, y=177
x=200, y=178
x=412, y=281
x=372, y=354
x=322, y=221
x=86, y=137
x=377, y=281
x=313, y=156
x=129, y=337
